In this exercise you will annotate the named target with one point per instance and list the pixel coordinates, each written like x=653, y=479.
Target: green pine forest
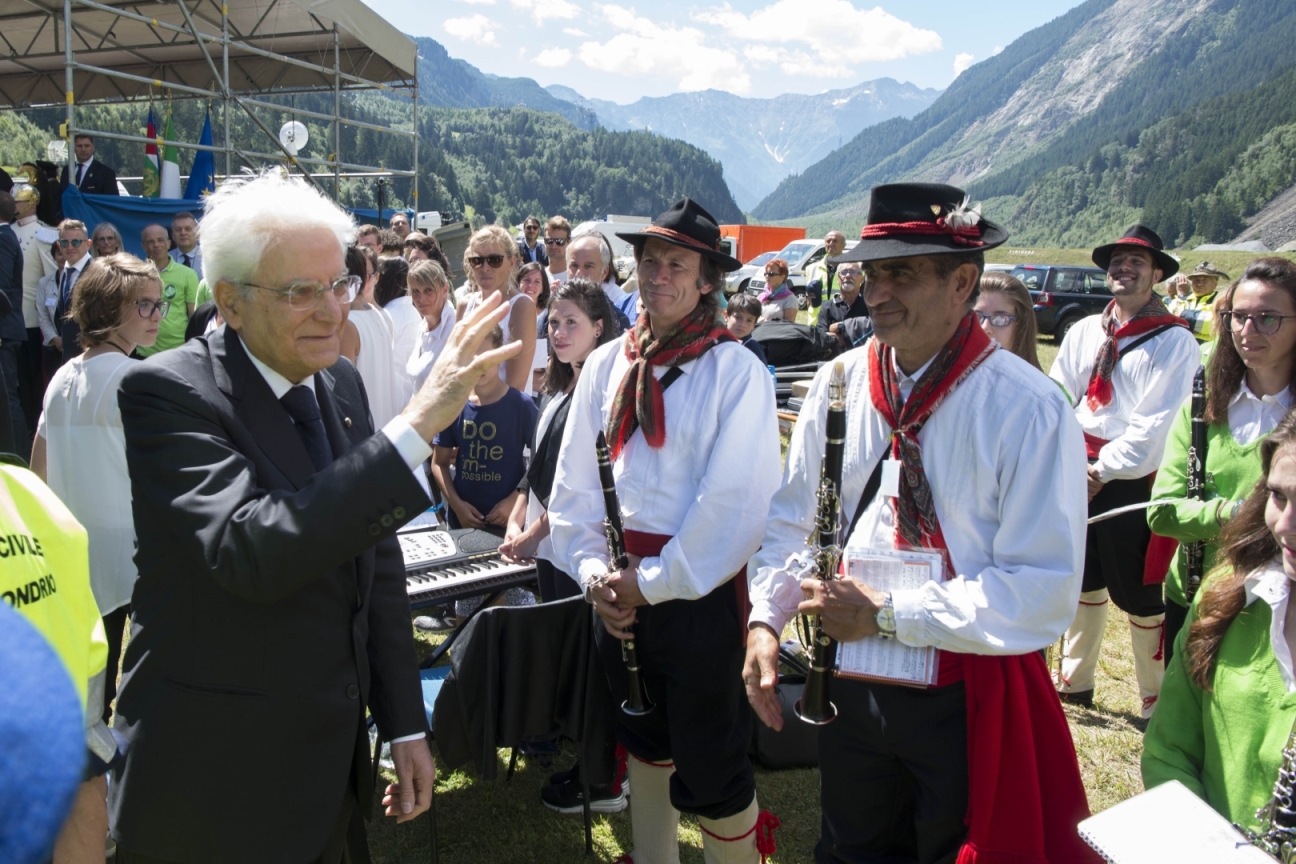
x=486, y=165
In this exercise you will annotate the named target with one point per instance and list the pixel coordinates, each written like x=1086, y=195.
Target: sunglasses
x=998, y=319
x=555, y=241
x=492, y=261
x=75, y=243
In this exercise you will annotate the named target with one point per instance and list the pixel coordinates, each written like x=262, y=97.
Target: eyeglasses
x=492, y=261
x=1266, y=323
x=74, y=243
x=146, y=308
x=555, y=241
x=306, y=295
x=770, y=274
x=997, y=319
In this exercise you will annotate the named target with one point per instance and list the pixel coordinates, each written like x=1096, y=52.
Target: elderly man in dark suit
x=271, y=607
x=87, y=173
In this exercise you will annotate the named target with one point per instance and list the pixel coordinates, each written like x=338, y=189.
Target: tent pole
x=69, y=64
x=337, y=112
x=225, y=71
x=415, y=166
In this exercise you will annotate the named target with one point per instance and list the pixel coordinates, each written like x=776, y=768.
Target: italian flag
x=170, y=165
x=152, y=179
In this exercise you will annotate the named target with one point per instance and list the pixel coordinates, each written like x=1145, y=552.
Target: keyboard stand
x=440, y=651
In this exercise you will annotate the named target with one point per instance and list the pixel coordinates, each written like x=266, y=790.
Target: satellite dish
x=57, y=151
x=293, y=136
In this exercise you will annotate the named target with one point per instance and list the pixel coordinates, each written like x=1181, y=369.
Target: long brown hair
x=1245, y=545
x=593, y=301
x=1026, y=333
x=1225, y=369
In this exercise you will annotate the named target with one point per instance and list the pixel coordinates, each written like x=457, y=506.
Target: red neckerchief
x=639, y=403
x=1150, y=317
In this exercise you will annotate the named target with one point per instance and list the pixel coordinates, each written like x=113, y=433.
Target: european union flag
x=202, y=176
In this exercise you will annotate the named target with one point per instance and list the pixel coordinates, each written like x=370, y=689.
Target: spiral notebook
x=1168, y=823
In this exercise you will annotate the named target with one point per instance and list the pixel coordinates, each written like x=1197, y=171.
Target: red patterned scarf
x=916, y=524
x=1150, y=317
x=639, y=402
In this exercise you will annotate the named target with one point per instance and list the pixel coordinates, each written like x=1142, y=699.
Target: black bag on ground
x=787, y=343
x=796, y=745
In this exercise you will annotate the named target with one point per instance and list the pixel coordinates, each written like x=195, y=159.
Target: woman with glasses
x=490, y=261
x=1249, y=379
x=80, y=447
x=778, y=303
x=1007, y=315
x=106, y=240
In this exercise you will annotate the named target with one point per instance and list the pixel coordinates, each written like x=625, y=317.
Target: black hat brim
x=1166, y=264
x=919, y=245
x=637, y=238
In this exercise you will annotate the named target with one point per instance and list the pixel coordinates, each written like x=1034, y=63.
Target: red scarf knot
x=1150, y=317
x=639, y=401
x=969, y=235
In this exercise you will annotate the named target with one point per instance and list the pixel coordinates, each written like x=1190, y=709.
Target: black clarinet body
x=815, y=706
x=636, y=703
x=1195, y=553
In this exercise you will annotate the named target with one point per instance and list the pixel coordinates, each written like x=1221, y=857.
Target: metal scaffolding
x=240, y=53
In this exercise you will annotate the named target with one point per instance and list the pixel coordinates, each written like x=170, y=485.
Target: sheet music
x=875, y=658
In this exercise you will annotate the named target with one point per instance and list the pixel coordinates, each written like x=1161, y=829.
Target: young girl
x=1007, y=315
x=533, y=281
x=1249, y=381
x=489, y=260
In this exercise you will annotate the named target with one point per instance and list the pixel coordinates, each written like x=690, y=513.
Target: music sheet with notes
x=874, y=658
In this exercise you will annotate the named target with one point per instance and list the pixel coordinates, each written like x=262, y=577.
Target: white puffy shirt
x=1005, y=462
x=708, y=487
x=1149, y=386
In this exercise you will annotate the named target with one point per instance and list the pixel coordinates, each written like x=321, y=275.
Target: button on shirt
x=1251, y=416
x=1148, y=387
x=708, y=487
x=1005, y=461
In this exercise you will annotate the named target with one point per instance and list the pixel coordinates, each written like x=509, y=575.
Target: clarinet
x=1195, y=553
x=1277, y=836
x=814, y=707
x=636, y=703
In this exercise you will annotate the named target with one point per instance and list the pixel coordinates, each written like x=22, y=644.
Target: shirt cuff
x=590, y=570
x=401, y=740
x=653, y=583
x=910, y=617
x=770, y=615
x=413, y=449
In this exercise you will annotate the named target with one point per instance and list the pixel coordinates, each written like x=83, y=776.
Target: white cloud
x=961, y=63
x=545, y=10
x=576, y=31
x=478, y=2
x=831, y=35
x=553, y=57
x=996, y=50
x=685, y=55
x=474, y=28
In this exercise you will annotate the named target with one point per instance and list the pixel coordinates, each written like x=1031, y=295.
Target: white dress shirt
x=1149, y=386
x=428, y=346
x=708, y=487
x=1270, y=584
x=1251, y=416
x=1005, y=461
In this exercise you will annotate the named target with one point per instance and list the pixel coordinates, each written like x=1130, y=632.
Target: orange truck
x=748, y=241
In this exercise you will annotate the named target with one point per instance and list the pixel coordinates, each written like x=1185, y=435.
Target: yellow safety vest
x=1199, y=312
x=45, y=575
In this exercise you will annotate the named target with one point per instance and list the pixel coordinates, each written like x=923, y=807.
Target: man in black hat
x=1128, y=371
x=690, y=422
x=960, y=448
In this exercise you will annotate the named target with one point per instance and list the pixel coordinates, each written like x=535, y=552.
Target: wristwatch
x=886, y=622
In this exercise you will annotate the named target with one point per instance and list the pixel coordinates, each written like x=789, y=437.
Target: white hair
x=605, y=244
x=248, y=214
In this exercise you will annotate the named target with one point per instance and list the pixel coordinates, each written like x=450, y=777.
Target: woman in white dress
x=490, y=261
x=80, y=448
x=533, y=281
x=368, y=341
x=429, y=291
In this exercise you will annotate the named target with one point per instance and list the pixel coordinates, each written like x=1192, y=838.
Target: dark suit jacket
x=12, y=328
x=270, y=609
x=541, y=253
x=99, y=179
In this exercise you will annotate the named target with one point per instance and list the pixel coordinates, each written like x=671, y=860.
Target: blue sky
x=624, y=50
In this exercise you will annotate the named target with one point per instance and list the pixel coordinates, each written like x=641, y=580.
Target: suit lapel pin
x=346, y=421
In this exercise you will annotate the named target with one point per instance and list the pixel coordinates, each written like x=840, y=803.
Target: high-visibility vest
x=1199, y=312
x=45, y=576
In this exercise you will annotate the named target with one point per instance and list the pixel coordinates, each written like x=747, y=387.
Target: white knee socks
x=1083, y=641
x=654, y=821
x=731, y=840
x=1148, y=638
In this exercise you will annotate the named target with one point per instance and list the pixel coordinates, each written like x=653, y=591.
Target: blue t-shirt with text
x=490, y=438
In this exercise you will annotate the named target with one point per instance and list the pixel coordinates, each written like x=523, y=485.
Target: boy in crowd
x=740, y=317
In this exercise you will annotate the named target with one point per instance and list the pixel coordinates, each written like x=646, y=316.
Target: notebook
x=1168, y=823
x=889, y=660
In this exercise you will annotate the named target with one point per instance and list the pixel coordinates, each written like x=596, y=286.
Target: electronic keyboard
x=443, y=566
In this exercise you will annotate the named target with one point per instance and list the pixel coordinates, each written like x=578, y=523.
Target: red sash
x=647, y=545
x=1160, y=550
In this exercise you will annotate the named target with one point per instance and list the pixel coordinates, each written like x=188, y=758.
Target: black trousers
x=554, y=583
x=9, y=363
x=31, y=377
x=691, y=655
x=1176, y=617
x=1116, y=548
x=893, y=772
x=114, y=623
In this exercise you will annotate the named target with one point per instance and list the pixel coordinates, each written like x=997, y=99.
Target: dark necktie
x=188, y=262
x=80, y=173
x=300, y=404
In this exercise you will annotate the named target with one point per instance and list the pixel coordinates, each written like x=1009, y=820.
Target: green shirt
x=179, y=287
x=204, y=294
x=1225, y=745
x=1232, y=471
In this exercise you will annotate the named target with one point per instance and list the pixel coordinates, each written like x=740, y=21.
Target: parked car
x=799, y=254
x=738, y=279
x=1063, y=295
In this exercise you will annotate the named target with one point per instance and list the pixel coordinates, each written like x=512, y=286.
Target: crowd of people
x=202, y=412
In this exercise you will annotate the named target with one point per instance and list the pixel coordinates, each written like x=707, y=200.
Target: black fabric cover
x=787, y=343
x=520, y=672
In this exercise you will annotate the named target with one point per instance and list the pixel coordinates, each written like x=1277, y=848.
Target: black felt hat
x=908, y=219
x=1139, y=237
x=687, y=225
